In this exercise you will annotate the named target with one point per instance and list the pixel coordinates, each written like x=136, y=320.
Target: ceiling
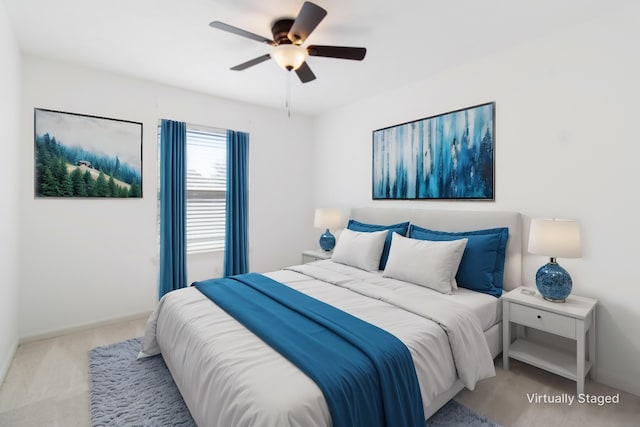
x=170, y=42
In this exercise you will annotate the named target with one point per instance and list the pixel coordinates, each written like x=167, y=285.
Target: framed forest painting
x=81, y=156
x=448, y=156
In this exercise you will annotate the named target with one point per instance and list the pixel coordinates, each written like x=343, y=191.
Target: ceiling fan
x=288, y=37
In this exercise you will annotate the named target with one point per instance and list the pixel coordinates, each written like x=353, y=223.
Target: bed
x=230, y=377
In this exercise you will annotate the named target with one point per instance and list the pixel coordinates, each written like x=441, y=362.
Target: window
x=206, y=188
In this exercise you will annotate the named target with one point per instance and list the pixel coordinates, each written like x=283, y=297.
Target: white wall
x=85, y=261
x=567, y=145
x=9, y=176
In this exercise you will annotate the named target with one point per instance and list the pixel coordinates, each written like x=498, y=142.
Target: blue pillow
x=482, y=265
x=398, y=228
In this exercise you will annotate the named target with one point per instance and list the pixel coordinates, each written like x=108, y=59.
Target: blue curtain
x=173, y=272
x=236, y=234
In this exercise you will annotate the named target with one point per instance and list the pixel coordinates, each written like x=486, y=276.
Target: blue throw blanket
x=366, y=374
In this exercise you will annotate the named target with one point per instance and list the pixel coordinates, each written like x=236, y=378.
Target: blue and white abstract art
x=448, y=156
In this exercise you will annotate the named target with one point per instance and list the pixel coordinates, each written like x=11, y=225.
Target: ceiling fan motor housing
x=280, y=30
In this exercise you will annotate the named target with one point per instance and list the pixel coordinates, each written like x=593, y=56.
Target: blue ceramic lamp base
x=327, y=241
x=553, y=282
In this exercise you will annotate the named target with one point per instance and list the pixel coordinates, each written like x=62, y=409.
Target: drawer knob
x=539, y=317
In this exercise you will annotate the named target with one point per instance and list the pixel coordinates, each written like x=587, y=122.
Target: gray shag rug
x=125, y=391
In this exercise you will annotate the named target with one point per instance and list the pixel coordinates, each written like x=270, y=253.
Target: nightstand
x=572, y=319
x=315, y=255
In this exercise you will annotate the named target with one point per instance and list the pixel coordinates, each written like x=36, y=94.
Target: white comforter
x=229, y=377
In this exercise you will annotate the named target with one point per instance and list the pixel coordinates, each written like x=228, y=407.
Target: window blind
x=206, y=189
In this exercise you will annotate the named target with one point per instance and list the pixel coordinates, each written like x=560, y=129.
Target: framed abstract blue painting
x=449, y=156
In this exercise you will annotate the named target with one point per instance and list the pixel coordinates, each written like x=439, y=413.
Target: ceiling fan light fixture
x=289, y=56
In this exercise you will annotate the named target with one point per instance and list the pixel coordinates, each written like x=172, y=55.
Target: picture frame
x=449, y=156
x=86, y=156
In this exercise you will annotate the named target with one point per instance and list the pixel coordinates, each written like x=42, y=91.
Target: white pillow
x=432, y=264
x=360, y=249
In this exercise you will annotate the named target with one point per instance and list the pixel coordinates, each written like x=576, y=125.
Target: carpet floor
x=127, y=392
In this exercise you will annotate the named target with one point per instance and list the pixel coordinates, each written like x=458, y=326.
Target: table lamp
x=327, y=218
x=555, y=238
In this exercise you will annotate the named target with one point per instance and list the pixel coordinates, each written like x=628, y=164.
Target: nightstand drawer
x=315, y=255
x=543, y=320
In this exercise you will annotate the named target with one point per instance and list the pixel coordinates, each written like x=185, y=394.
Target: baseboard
x=83, y=327
x=627, y=384
x=6, y=362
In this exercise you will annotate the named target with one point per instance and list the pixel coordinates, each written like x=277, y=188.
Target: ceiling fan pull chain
x=288, y=101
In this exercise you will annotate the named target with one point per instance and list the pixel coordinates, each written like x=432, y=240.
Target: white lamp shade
x=289, y=56
x=557, y=238
x=327, y=218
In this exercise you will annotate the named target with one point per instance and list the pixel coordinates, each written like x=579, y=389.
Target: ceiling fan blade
x=305, y=74
x=251, y=63
x=308, y=19
x=340, y=52
x=240, y=32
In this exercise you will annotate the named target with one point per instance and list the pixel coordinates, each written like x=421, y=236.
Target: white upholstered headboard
x=453, y=220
